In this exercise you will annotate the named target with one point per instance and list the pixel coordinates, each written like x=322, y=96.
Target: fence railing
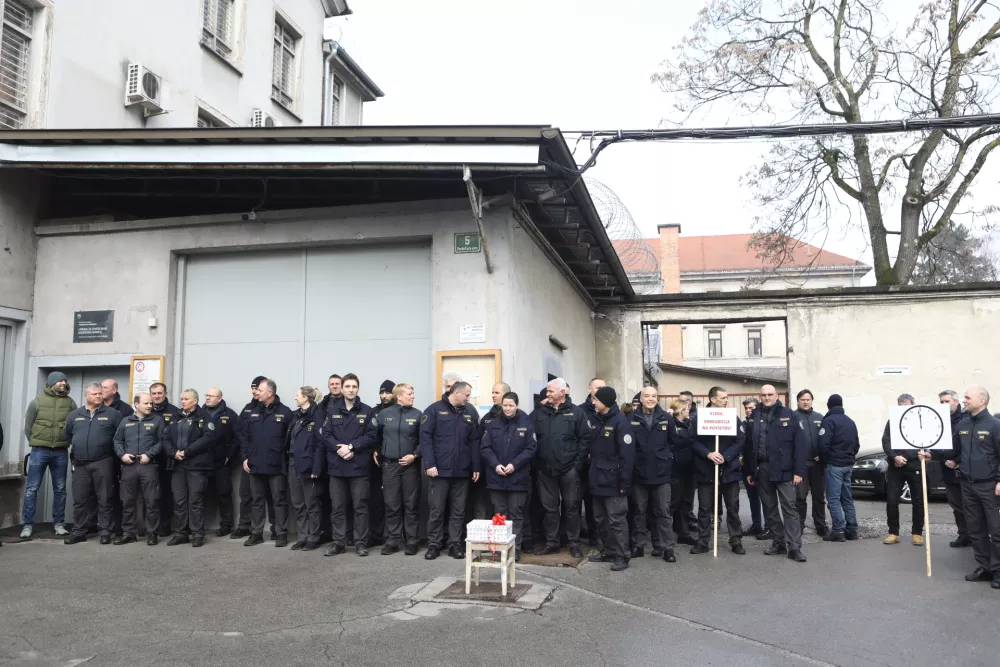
x=735, y=400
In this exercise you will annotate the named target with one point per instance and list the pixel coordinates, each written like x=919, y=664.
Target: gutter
x=338, y=51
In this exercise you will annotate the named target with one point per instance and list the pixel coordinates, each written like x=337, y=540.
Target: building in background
x=185, y=63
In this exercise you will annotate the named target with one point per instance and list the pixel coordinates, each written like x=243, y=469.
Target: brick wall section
x=672, y=351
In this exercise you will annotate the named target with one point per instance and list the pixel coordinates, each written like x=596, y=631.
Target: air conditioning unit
x=143, y=88
x=261, y=118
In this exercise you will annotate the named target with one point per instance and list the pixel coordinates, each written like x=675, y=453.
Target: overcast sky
x=574, y=64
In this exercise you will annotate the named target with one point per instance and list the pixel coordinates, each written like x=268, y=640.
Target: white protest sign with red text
x=717, y=421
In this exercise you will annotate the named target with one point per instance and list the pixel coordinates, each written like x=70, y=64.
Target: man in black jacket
x=904, y=466
x=815, y=479
x=838, y=447
x=976, y=447
x=192, y=441
x=138, y=443
x=612, y=464
x=246, y=495
x=163, y=409
x=91, y=430
x=564, y=436
x=949, y=474
x=227, y=450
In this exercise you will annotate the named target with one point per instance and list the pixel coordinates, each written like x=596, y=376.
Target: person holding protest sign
x=721, y=451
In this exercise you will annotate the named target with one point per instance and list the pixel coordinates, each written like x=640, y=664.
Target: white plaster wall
x=93, y=41
x=735, y=345
x=19, y=198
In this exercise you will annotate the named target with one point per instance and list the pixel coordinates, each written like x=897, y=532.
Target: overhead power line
x=609, y=137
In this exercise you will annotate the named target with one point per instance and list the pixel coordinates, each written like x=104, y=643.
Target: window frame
x=714, y=336
x=336, y=99
x=278, y=95
x=751, y=338
x=19, y=110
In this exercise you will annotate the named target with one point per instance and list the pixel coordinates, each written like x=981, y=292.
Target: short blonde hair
x=311, y=393
x=398, y=390
x=677, y=406
x=193, y=393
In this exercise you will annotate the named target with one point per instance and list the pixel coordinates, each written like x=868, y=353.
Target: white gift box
x=483, y=530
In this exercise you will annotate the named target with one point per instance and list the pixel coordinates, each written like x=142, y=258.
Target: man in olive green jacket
x=44, y=426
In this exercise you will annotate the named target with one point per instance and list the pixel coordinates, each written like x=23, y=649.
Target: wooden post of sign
x=927, y=523
x=715, y=507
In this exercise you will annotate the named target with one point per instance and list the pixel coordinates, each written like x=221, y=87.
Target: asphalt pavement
x=853, y=604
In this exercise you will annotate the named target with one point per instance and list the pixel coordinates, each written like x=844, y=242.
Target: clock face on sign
x=921, y=427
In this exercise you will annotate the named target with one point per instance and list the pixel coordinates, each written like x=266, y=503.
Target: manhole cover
x=487, y=591
x=561, y=559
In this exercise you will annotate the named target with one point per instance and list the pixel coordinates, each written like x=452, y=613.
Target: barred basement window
x=15, y=53
x=283, y=79
x=217, y=26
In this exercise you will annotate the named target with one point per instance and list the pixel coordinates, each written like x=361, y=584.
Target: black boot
x=619, y=565
x=239, y=533
x=254, y=540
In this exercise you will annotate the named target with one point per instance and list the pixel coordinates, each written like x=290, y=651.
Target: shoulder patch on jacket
x=423, y=418
x=211, y=426
x=822, y=431
x=627, y=439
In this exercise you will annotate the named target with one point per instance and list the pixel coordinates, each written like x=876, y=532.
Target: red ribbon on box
x=498, y=520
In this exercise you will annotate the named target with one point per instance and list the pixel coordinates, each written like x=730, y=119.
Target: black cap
x=256, y=381
x=607, y=396
x=835, y=401
x=637, y=398
x=386, y=387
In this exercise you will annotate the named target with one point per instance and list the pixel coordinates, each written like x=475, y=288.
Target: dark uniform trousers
x=346, y=491
x=246, y=502
x=588, y=506
x=549, y=490
x=778, y=501
x=166, y=497
x=611, y=514
x=511, y=504
x=954, y=490
x=305, y=504
x=376, y=505
x=479, y=504
x=682, y=490
x=982, y=514
x=188, y=487
x=274, y=487
x=145, y=479
x=222, y=480
x=894, y=478
x=93, y=480
x=445, y=492
x=654, y=498
x=401, y=493
x=730, y=493
x=815, y=483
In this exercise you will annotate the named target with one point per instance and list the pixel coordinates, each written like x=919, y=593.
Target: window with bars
x=754, y=347
x=217, y=26
x=283, y=78
x=336, y=90
x=715, y=343
x=15, y=54
x=207, y=122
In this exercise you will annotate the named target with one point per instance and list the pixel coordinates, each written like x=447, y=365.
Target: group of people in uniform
x=352, y=474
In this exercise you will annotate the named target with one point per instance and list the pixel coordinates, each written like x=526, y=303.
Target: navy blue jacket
x=265, y=432
x=345, y=427
x=612, y=455
x=496, y=412
x=654, y=456
x=121, y=406
x=166, y=412
x=683, y=439
x=302, y=441
x=975, y=445
x=202, y=438
x=838, y=439
x=731, y=448
x=949, y=476
x=786, y=444
x=449, y=440
x=92, y=438
x=812, y=421
x=508, y=441
x=564, y=437
x=226, y=423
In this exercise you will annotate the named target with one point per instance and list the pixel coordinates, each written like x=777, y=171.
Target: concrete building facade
x=187, y=63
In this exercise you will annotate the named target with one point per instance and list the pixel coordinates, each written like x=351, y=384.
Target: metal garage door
x=299, y=316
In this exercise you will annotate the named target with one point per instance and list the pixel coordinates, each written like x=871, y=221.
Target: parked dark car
x=868, y=475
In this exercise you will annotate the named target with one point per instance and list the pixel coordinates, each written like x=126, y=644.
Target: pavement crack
x=692, y=624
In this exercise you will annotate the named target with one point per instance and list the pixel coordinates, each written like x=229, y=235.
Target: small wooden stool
x=473, y=559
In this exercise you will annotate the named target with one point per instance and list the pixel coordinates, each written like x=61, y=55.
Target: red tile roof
x=729, y=252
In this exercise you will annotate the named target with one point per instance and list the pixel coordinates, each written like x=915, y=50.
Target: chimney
x=670, y=263
x=671, y=341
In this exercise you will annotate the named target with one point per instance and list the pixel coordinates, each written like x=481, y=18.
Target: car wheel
x=905, y=496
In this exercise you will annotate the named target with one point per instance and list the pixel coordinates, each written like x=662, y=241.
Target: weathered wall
x=674, y=381
x=88, y=66
x=19, y=193
x=735, y=345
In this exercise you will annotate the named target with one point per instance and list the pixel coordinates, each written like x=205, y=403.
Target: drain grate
x=487, y=591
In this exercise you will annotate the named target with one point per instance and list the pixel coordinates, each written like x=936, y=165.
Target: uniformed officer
x=588, y=502
x=262, y=449
x=302, y=448
x=728, y=460
x=564, y=436
x=345, y=451
x=774, y=460
x=612, y=463
x=168, y=413
x=395, y=432
x=507, y=449
x=949, y=474
x=192, y=440
x=90, y=430
x=226, y=450
x=653, y=435
x=450, y=450
x=814, y=481
x=976, y=447
x=246, y=492
x=682, y=486
x=376, y=503
x=138, y=443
